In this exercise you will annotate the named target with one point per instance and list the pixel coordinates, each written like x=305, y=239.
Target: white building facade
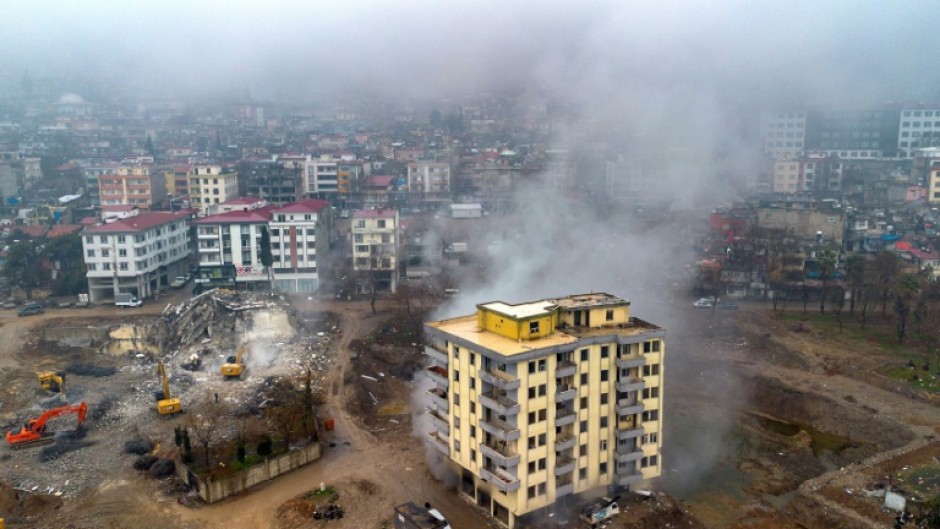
x=211, y=184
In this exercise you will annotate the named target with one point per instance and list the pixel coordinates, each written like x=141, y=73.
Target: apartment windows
x=473, y=455
x=473, y=385
x=89, y=239
x=650, y=438
x=650, y=370
x=651, y=393
x=122, y=253
x=456, y=399
x=456, y=353
x=534, y=329
x=584, y=355
x=105, y=253
x=473, y=405
x=535, y=491
x=603, y=468
x=650, y=461
x=473, y=358
x=121, y=238
x=582, y=473
x=604, y=398
x=583, y=426
x=122, y=266
x=605, y=375
x=473, y=432
x=650, y=415
x=584, y=403
x=91, y=253
x=651, y=346
x=540, y=390
x=610, y=315
x=584, y=379
x=604, y=425
x=605, y=351
x=106, y=266
x=92, y=267
x=381, y=223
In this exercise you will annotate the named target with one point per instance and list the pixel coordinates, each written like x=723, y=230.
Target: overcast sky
x=806, y=50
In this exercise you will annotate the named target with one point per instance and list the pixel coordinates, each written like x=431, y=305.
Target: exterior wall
x=212, y=491
x=136, y=189
x=375, y=247
x=804, y=223
x=531, y=428
x=134, y=262
x=918, y=128
x=513, y=329
x=224, y=243
x=783, y=133
x=210, y=184
x=295, y=244
x=429, y=177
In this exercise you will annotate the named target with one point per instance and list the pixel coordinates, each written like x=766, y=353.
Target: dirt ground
x=762, y=416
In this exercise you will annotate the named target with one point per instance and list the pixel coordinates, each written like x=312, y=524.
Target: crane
x=53, y=381
x=166, y=403
x=234, y=365
x=35, y=429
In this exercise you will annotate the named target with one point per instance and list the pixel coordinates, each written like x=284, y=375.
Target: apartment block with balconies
x=375, y=243
x=541, y=402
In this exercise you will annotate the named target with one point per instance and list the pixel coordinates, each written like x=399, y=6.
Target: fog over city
x=677, y=87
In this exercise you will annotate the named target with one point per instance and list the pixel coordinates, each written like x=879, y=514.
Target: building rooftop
x=241, y=200
x=257, y=215
x=141, y=222
x=466, y=327
x=598, y=299
x=311, y=205
x=374, y=213
x=522, y=310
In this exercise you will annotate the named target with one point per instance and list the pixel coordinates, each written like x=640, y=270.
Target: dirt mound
x=144, y=463
x=294, y=514
x=138, y=446
x=23, y=506
x=89, y=370
x=163, y=468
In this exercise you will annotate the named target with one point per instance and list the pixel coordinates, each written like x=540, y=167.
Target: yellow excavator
x=166, y=403
x=53, y=381
x=234, y=366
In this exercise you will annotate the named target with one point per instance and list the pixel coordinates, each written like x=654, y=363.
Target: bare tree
x=206, y=420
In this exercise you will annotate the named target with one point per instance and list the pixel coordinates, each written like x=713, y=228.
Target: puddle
x=824, y=444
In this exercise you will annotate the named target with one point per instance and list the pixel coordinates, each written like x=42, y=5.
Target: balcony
x=440, y=441
x=499, y=403
x=629, y=433
x=564, y=464
x=565, y=368
x=565, y=393
x=439, y=399
x=626, y=385
x=564, y=441
x=502, y=430
x=438, y=374
x=502, y=454
x=627, y=457
x=627, y=477
x=500, y=478
x=630, y=362
x=627, y=407
x=564, y=416
x=500, y=379
x=437, y=356
x=439, y=420
x=563, y=486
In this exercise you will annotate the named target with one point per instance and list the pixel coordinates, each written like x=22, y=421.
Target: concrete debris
x=367, y=377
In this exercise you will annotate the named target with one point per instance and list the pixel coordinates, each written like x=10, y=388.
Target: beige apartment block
x=546, y=401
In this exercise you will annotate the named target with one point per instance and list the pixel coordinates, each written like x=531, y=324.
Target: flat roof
x=522, y=310
x=466, y=327
x=594, y=299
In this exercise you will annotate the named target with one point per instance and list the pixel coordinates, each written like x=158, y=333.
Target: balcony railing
x=440, y=441
x=628, y=384
x=564, y=416
x=500, y=403
x=438, y=419
x=564, y=441
x=500, y=379
x=630, y=362
x=564, y=485
x=563, y=393
x=502, y=430
x=500, y=478
x=439, y=399
x=627, y=477
x=501, y=453
x=565, y=368
x=438, y=356
x=629, y=433
x=563, y=464
x=626, y=407
x=626, y=457
x=438, y=374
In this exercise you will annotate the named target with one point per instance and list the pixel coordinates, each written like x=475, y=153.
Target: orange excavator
x=34, y=430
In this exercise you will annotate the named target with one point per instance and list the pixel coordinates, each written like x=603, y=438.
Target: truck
x=126, y=300
x=599, y=510
x=410, y=516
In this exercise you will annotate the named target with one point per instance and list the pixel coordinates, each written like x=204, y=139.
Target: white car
x=703, y=304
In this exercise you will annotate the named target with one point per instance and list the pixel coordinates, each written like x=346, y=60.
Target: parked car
x=703, y=304
x=179, y=282
x=30, y=309
x=9, y=304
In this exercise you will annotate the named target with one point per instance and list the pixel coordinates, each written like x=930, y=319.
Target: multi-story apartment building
x=783, y=133
x=350, y=176
x=137, y=254
x=814, y=172
x=853, y=134
x=321, y=175
x=919, y=128
x=177, y=180
x=211, y=184
x=430, y=179
x=272, y=181
x=538, y=401
x=299, y=232
x=375, y=248
x=18, y=173
x=134, y=186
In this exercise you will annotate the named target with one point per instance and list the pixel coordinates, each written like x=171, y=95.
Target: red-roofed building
x=137, y=255
x=376, y=188
x=298, y=231
x=50, y=232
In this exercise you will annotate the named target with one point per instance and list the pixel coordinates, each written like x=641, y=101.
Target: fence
x=213, y=490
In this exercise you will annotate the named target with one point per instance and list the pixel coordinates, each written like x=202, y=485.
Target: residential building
x=299, y=232
x=539, y=401
x=783, y=133
x=133, y=187
x=321, y=175
x=138, y=254
x=918, y=128
x=272, y=181
x=18, y=173
x=375, y=243
x=430, y=179
x=177, y=180
x=924, y=160
x=814, y=172
x=92, y=173
x=350, y=176
x=211, y=184
x=804, y=223
x=933, y=180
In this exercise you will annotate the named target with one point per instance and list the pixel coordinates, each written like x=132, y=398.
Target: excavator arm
x=166, y=403
x=35, y=429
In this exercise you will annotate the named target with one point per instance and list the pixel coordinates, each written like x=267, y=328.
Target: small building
x=466, y=211
x=375, y=243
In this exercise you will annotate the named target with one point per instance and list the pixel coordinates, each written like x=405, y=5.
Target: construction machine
x=234, y=366
x=166, y=403
x=34, y=431
x=53, y=381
